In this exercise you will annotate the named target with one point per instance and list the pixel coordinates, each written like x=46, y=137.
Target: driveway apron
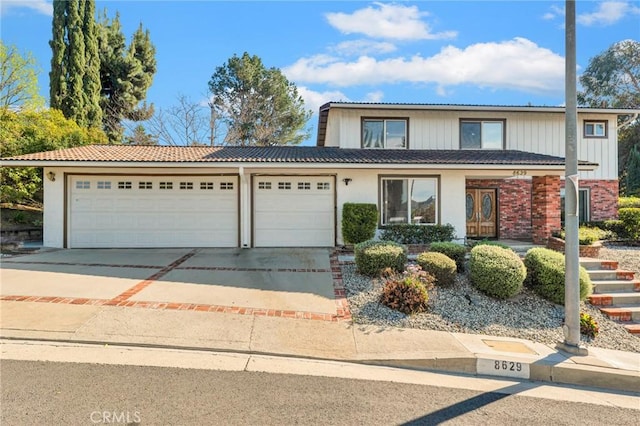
x=296, y=282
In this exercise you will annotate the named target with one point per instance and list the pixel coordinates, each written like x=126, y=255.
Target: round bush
x=373, y=256
x=546, y=275
x=457, y=252
x=496, y=271
x=442, y=267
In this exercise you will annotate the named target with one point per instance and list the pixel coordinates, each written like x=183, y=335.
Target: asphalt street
x=37, y=392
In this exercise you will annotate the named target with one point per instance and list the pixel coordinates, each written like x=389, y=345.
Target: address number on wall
x=519, y=172
x=498, y=367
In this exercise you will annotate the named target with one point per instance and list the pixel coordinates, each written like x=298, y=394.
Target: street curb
x=568, y=374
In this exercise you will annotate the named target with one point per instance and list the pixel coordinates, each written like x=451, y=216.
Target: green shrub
x=492, y=243
x=615, y=229
x=418, y=234
x=454, y=251
x=407, y=293
x=588, y=326
x=374, y=256
x=442, y=267
x=546, y=275
x=586, y=235
x=496, y=271
x=630, y=217
x=628, y=202
x=359, y=222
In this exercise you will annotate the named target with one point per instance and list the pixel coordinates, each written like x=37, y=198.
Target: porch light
x=51, y=176
x=346, y=181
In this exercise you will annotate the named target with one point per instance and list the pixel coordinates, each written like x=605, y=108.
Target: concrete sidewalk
x=342, y=340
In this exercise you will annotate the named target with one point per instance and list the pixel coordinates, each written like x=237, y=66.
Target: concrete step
x=598, y=264
x=607, y=274
x=622, y=313
x=615, y=286
x=620, y=298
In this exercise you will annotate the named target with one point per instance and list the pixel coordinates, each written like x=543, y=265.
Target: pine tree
x=126, y=75
x=632, y=181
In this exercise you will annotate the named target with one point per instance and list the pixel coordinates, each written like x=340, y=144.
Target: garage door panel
x=296, y=211
x=143, y=211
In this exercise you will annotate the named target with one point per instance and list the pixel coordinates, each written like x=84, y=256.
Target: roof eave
x=289, y=164
x=498, y=108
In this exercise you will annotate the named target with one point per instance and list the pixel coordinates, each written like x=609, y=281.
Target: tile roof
x=285, y=154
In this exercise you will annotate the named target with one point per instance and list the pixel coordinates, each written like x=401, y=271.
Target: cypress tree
x=73, y=102
x=58, y=73
x=91, y=81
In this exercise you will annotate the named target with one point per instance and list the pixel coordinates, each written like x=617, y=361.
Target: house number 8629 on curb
x=498, y=367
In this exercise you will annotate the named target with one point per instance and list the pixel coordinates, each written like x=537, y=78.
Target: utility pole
x=571, y=326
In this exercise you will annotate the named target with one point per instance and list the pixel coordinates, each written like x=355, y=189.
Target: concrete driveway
x=273, y=282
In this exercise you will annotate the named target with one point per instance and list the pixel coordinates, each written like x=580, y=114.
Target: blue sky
x=469, y=52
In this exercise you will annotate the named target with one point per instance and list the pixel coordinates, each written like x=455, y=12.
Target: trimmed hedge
x=442, y=267
x=454, y=251
x=418, y=234
x=492, y=243
x=630, y=217
x=628, y=202
x=587, y=235
x=496, y=271
x=546, y=275
x=359, y=222
x=374, y=256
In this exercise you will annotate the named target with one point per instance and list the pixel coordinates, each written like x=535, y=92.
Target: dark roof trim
x=284, y=155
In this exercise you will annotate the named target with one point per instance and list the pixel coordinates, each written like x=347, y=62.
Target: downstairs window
x=409, y=200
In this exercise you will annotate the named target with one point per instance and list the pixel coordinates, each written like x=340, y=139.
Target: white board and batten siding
x=293, y=211
x=152, y=211
x=537, y=132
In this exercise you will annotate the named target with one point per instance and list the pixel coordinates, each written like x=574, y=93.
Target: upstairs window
x=595, y=129
x=481, y=134
x=384, y=133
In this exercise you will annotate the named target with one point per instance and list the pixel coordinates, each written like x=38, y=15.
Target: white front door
x=153, y=211
x=294, y=211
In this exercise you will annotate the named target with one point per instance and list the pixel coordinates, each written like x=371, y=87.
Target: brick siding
x=603, y=198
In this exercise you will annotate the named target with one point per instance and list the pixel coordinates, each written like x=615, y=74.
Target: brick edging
x=343, y=312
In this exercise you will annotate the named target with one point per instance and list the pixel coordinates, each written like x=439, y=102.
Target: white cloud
x=555, y=12
x=608, y=13
x=376, y=96
x=387, y=21
x=314, y=100
x=40, y=6
x=515, y=64
x=363, y=47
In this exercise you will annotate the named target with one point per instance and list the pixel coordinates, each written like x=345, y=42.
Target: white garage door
x=294, y=211
x=153, y=211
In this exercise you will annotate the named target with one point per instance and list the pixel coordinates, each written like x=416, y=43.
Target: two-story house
x=490, y=171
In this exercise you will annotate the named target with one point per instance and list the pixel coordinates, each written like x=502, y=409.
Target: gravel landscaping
x=463, y=309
